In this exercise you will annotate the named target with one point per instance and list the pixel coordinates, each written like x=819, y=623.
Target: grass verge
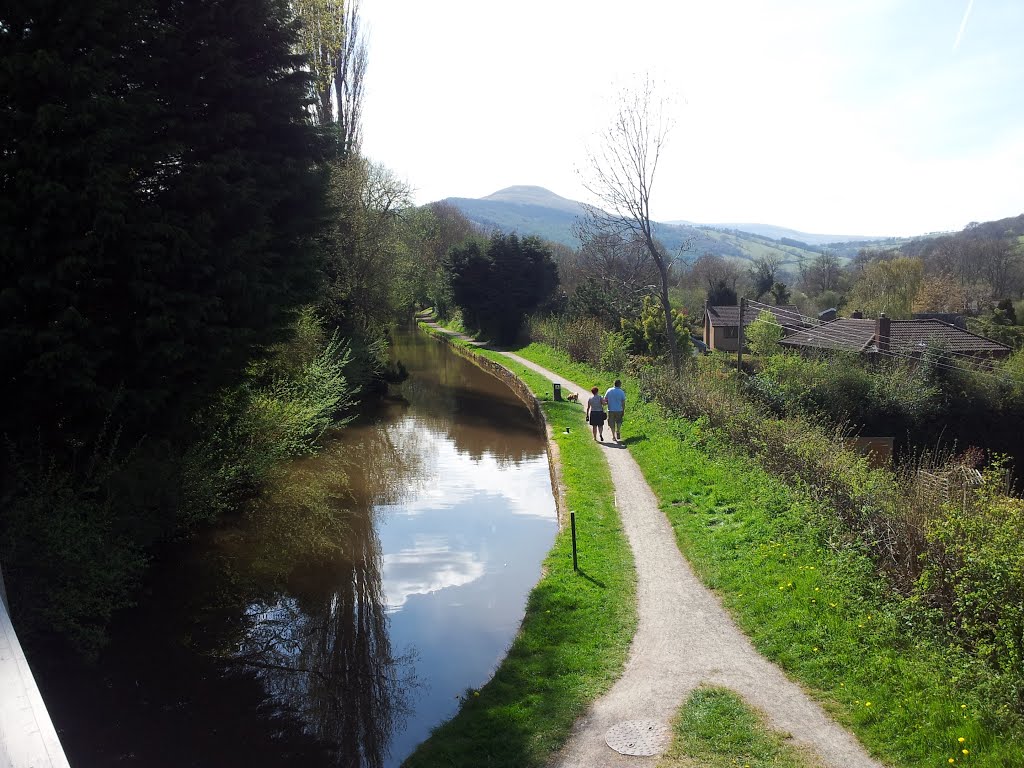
x=809, y=598
x=716, y=729
x=576, y=632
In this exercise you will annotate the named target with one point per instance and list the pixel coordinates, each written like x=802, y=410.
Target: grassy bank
x=716, y=729
x=810, y=598
x=576, y=631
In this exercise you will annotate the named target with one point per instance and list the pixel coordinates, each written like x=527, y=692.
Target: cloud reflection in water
x=429, y=566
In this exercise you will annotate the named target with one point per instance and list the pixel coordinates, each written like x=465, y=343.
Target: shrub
x=646, y=334
x=613, y=352
x=281, y=412
x=976, y=572
x=581, y=337
x=763, y=335
x=67, y=545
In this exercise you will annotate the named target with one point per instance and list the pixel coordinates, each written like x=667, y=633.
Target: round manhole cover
x=638, y=737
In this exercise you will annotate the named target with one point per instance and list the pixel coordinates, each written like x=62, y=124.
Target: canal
x=375, y=585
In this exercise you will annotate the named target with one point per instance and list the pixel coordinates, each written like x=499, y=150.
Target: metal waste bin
x=558, y=391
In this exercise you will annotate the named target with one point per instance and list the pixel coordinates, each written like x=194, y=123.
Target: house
x=902, y=338
x=722, y=324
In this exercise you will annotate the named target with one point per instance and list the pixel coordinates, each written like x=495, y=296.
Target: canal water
x=377, y=584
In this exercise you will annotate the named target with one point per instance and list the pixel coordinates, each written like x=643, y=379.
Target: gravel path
x=685, y=638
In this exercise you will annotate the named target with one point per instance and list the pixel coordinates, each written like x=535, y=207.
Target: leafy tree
x=780, y=293
x=721, y=294
x=1009, y=311
x=763, y=273
x=940, y=293
x=497, y=283
x=763, y=335
x=335, y=47
x=888, y=286
x=646, y=334
x=160, y=187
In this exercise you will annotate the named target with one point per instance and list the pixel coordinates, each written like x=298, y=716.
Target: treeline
x=198, y=271
x=978, y=272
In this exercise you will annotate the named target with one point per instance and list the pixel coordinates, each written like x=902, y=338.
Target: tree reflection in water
x=325, y=655
x=322, y=648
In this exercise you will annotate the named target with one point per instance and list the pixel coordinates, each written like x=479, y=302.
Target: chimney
x=882, y=325
x=857, y=315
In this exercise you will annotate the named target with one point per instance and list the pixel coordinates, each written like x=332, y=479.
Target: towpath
x=685, y=638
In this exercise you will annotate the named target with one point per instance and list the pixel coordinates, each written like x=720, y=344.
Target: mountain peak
x=525, y=194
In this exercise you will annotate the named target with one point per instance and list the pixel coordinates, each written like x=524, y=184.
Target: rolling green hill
x=530, y=210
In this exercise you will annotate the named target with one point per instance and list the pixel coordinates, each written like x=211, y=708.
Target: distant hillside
x=773, y=232
x=530, y=210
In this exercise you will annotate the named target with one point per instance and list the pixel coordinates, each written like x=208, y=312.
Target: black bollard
x=558, y=391
x=572, y=523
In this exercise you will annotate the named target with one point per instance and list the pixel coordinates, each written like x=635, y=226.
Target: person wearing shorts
x=616, y=400
x=595, y=413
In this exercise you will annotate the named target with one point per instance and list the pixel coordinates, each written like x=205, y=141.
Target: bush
x=281, y=412
x=613, y=352
x=70, y=555
x=646, y=334
x=579, y=337
x=976, y=572
x=763, y=335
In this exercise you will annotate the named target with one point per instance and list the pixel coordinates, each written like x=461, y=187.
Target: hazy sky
x=875, y=117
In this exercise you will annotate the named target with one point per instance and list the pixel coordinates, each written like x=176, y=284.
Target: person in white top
x=595, y=413
x=616, y=400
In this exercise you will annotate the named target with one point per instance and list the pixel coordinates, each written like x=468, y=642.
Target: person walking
x=595, y=413
x=616, y=400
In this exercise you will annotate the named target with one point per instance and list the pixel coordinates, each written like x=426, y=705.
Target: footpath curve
x=685, y=638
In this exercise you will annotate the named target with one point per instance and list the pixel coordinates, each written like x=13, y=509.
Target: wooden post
x=739, y=335
x=572, y=523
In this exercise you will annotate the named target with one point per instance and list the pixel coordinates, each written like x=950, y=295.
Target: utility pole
x=739, y=334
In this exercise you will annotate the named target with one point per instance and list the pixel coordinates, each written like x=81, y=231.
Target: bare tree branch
x=620, y=176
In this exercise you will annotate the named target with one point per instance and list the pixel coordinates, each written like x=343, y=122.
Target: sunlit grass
x=575, y=634
x=716, y=729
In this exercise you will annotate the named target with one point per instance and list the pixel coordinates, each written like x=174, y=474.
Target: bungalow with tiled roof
x=901, y=338
x=722, y=324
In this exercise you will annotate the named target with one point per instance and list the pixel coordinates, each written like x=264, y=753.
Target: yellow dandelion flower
x=815, y=648
x=952, y=759
x=963, y=706
x=961, y=739
x=966, y=751
x=867, y=703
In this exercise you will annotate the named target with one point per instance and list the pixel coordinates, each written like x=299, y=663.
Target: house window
x=732, y=331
